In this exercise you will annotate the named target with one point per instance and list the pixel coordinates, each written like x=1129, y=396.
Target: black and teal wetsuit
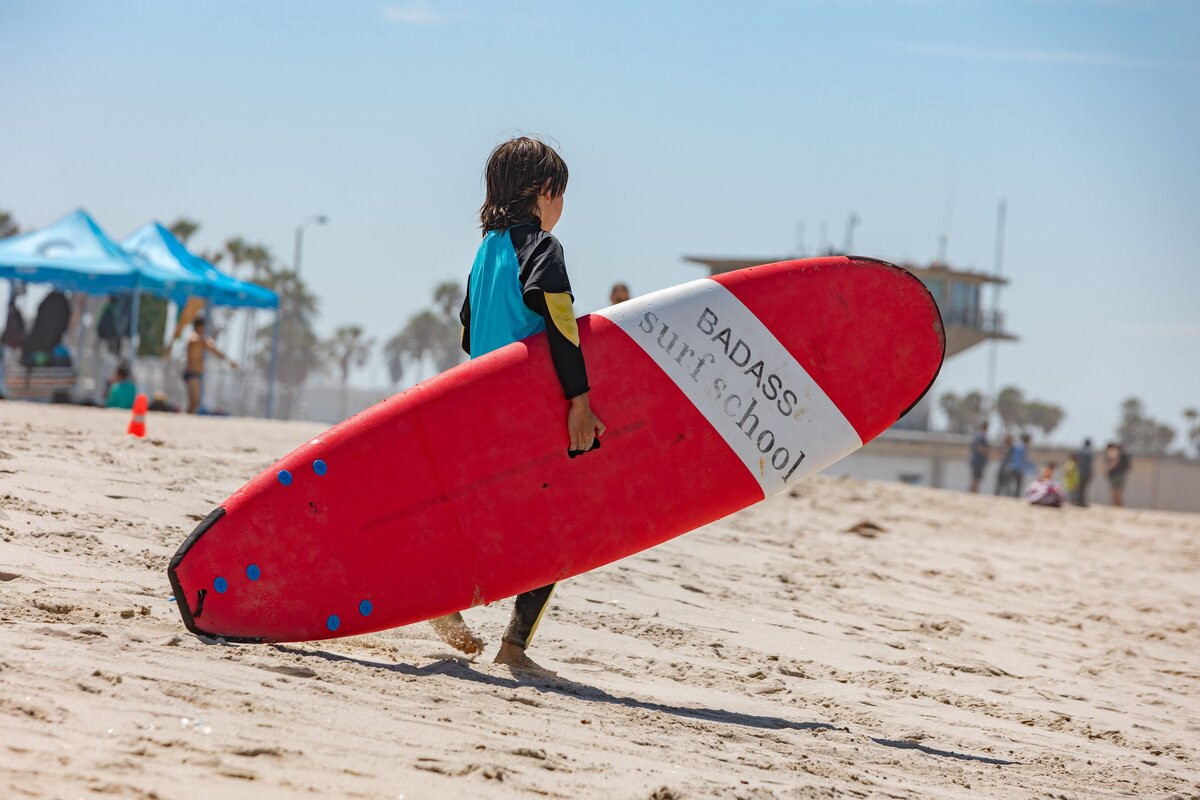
x=519, y=287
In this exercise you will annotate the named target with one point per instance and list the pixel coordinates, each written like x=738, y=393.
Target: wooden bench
x=38, y=384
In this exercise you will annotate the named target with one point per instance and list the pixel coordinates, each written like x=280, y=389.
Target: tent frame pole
x=134, y=338
x=81, y=335
x=203, y=380
x=274, y=365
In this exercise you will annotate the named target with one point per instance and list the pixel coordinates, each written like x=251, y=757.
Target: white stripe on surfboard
x=760, y=400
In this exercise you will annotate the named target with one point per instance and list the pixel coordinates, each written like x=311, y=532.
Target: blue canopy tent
x=75, y=254
x=159, y=246
x=156, y=244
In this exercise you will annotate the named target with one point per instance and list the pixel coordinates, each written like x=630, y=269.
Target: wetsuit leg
x=527, y=613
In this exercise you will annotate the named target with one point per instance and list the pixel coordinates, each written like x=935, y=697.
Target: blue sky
x=689, y=127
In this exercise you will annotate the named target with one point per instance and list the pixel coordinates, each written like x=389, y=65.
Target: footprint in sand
x=285, y=669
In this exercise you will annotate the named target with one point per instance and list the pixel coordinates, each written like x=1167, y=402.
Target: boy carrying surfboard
x=518, y=287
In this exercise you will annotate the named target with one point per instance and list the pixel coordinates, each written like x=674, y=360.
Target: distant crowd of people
x=1015, y=468
x=41, y=347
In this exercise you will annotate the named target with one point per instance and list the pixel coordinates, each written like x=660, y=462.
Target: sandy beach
x=850, y=639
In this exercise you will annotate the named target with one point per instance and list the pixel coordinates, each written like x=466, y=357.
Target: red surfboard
x=459, y=491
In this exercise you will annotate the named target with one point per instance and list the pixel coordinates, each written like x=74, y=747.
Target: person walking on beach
x=519, y=287
x=1019, y=464
x=1022, y=464
x=1083, y=463
x=980, y=451
x=1004, y=473
x=198, y=344
x=1116, y=466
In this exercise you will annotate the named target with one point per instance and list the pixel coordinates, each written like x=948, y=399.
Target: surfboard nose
x=876, y=341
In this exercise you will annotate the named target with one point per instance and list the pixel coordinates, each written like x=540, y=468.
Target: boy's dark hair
x=198, y=322
x=516, y=172
x=123, y=371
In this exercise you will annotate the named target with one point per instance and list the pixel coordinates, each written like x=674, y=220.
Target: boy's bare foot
x=514, y=658
x=452, y=630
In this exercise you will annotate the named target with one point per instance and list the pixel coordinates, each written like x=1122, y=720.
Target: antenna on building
x=997, y=269
x=823, y=239
x=944, y=239
x=851, y=222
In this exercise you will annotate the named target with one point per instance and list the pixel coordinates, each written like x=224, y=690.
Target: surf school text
x=746, y=389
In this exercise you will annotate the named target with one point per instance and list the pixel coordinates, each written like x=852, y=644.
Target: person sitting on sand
x=1045, y=491
x=121, y=389
x=159, y=402
x=519, y=287
x=197, y=344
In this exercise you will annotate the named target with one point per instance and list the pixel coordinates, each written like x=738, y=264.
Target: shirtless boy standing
x=198, y=342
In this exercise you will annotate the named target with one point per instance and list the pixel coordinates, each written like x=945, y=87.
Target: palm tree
x=963, y=413
x=348, y=348
x=183, y=228
x=236, y=248
x=261, y=261
x=1140, y=432
x=214, y=257
x=431, y=333
x=448, y=297
x=1192, y=429
x=395, y=351
x=299, y=349
x=1046, y=416
x=1010, y=406
x=425, y=335
x=8, y=225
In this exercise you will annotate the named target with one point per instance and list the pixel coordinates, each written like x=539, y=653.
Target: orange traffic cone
x=137, y=425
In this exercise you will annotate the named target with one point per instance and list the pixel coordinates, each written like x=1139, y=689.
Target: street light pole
x=319, y=219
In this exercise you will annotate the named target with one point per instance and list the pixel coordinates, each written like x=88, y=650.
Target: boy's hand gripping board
x=459, y=491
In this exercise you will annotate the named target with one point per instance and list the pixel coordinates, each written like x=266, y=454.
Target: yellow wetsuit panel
x=563, y=314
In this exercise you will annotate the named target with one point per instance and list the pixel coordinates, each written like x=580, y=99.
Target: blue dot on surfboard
x=333, y=623
x=253, y=572
x=320, y=467
x=221, y=585
x=365, y=608
x=285, y=477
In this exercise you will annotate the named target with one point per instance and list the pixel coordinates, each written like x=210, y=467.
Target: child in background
x=519, y=287
x=1045, y=491
x=121, y=389
x=1071, y=476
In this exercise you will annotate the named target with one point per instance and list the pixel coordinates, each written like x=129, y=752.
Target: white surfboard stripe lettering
x=760, y=400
